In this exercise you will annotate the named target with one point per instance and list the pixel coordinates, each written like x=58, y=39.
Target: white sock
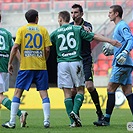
x=13, y=113
x=46, y=111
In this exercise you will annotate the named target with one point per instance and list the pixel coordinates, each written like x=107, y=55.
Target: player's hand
x=115, y=43
x=108, y=49
x=10, y=68
x=121, y=58
x=88, y=29
x=105, y=51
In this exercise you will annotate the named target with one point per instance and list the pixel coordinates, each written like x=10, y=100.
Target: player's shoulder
x=87, y=24
x=3, y=30
x=123, y=23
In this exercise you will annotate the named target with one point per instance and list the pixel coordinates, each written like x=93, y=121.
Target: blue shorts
x=121, y=75
x=26, y=77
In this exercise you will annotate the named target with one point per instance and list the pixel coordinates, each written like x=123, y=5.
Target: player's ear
x=81, y=14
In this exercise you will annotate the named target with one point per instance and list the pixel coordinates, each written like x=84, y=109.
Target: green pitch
x=60, y=122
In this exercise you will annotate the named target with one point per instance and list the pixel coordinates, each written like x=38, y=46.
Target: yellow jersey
x=33, y=39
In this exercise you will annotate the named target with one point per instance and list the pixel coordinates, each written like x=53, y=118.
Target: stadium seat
x=108, y=3
x=43, y=6
x=131, y=53
x=95, y=68
x=34, y=0
x=129, y=4
x=103, y=70
x=44, y=0
x=17, y=1
x=16, y=7
x=7, y=1
x=90, y=4
x=6, y=7
x=131, y=26
x=99, y=4
x=110, y=59
x=102, y=59
x=33, y=6
x=119, y=2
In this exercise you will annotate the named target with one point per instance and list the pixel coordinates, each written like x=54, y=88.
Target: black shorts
x=88, y=69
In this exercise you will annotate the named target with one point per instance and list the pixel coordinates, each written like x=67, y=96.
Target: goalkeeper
x=122, y=63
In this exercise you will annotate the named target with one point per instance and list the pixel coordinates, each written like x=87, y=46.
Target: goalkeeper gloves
x=108, y=50
x=121, y=58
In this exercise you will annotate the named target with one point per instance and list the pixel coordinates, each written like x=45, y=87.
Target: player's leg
x=14, y=109
x=78, y=79
x=94, y=95
x=88, y=71
x=6, y=102
x=129, y=95
x=74, y=92
x=68, y=102
x=23, y=82
x=118, y=76
x=127, y=89
x=42, y=87
x=65, y=83
x=46, y=107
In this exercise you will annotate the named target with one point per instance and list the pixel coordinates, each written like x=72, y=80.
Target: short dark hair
x=78, y=6
x=117, y=8
x=65, y=15
x=31, y=15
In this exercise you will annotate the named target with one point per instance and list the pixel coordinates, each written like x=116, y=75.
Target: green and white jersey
x=6, y=43
x=67, y=40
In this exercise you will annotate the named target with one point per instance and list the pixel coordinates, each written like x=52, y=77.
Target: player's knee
x=90, y=88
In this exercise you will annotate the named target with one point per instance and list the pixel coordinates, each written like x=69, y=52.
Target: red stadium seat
x=110, y=59
x=103, y=70
x=99, y=4
x=16, y=7
x=119, y=2
x=131, y=53
x=108, y=3
x=129, y=3
x=5, y=7
x=102, y=59
x=95, y=68
x=43, y=6
x=17, y=1
x=34, y=1
x=131, y=26
x=7, y=1
x=44, y=0
x=33, y=6
x=90, y=4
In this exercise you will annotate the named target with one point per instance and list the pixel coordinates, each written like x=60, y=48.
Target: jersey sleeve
x=88, y=36
x=11, y=41
x=18, y=37
x=126, y=34
x=47, y=39
x=52, y=38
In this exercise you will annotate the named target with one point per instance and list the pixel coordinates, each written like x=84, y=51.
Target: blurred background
x=95, y=12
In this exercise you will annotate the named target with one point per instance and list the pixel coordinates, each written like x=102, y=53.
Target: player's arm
x=18, y=55
x=126, y=34
x=90, y=36
x=87, y=27
x=102, y=38
x=13, y=53
x=47, y=52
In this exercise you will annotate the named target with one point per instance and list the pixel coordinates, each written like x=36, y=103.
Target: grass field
x=60, y=122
